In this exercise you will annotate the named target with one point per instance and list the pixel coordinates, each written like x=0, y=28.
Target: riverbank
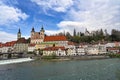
x=66, y=58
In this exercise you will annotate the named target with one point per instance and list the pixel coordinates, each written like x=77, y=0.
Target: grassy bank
x=114, y=55
x=62, y=58
x=49, y=57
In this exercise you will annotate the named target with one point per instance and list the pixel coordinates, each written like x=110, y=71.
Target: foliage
x=28, y=40
x=74, y=33
x=97, y=36
x=115, y=36
x=53, y=56
x=31, y=53
x=114, y=55
x=40, y=52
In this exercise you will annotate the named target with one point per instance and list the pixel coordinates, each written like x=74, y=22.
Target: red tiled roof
x=55, y=38
x=1, y=45
x=113, y=48
x=9, y=44
x=71, y=43
x=31, y=45
x=22, y=40
x=54, y=48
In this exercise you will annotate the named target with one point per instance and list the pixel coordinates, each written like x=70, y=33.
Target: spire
x=86, y=30
x=42, y=29
x=19, y=34
x=33, y=30
x=19, y=31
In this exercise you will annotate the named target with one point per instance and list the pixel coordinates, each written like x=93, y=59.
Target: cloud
x=95, y=14
x=82, y=14
x=9, y=14
x=4, y=36
x=56, y=5
x=53, y=32
x=70, y=26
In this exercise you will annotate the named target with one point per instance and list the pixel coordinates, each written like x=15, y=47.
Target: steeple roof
x=42, y=29
x=19, y=31
x=33, y=30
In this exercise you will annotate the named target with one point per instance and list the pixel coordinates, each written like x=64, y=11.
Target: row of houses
x=51, y=47
x=20, y=45
x=58, y=45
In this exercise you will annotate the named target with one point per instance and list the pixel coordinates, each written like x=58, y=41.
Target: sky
x=57, y=16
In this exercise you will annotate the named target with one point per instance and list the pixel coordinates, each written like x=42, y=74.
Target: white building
x=110, y=45
x=80, y=51
x=7, y=47
x=71, y=52
x=91, y=50
x=70, y=45
x=31, y=47
x=21, y=45
x=101, y=48
x=58, y=51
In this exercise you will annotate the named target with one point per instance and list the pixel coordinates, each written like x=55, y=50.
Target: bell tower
x=19, y=34
x=32, y=33
x=42, y=33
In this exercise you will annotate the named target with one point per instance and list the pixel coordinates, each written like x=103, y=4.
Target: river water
x=106, y=69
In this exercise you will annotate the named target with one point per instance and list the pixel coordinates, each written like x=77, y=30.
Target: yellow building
x=45, y=45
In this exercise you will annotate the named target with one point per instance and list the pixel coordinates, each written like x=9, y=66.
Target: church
x=37, y=37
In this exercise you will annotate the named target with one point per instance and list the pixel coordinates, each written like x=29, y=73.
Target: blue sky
x=57, y=16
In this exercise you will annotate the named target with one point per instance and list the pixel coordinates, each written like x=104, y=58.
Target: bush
x=114, y=55
x=30, y=52
x=53, y=56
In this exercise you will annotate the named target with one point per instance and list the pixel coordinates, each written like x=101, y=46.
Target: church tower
x=37, y=37
x=19, y=34
x=42, y=33
x=32, y=33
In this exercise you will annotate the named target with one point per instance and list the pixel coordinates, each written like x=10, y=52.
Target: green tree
x=115, y=35
x=74, y=32
x=68, y=35
x=28, y=40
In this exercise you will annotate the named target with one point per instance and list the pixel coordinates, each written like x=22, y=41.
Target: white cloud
x=56, y=5
x=9, y=14
x=70, y=26
x=53, y=32
x=92, y=14
x=81, y=14
x=4, y=37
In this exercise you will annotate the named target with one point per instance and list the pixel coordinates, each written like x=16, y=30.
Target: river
x=105, y=69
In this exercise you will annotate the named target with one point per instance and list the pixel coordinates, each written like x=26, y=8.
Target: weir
x=11, y=55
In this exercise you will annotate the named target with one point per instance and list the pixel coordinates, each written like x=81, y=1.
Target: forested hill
x=91, y=37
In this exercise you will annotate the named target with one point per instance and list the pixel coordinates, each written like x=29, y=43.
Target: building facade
x=58, y=51
x=31, y=47
x=60, y=40
x=21, y=46
x=37, y=37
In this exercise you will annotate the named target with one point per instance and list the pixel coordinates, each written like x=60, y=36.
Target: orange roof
x=9, y=44
x=55, y=38
x=113, y=48
x=31, y=45
x=54, y=48
x=1, y=45
x=71, y=43
x=22, y=40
